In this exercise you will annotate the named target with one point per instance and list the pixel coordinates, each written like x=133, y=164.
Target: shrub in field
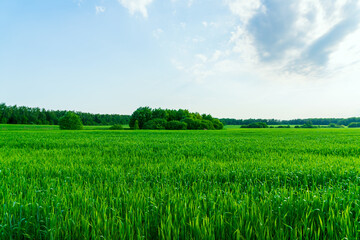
x=206, y=124
x=217, y=124
x=116, y=127
x=157, y=123
x=281, y=126
x=354, y=125
x=255, y=125
x=308, y=124
x=70, y=121
x=176, y=125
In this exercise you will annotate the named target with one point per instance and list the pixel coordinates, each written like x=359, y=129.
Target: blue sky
x=229, y=58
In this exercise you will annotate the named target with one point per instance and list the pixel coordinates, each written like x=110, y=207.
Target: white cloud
x=293, y=37
x=209, y=24
x=274, y=43
x=346, y=55
x=245, y=10
x=100, y=9
x=136, y=6
x=243, y=44
x=216, y=55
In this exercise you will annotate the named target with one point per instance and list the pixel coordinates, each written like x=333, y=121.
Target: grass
x=233, y=184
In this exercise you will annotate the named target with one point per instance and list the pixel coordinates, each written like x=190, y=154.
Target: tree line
x=40, y=116
x=147, y=118
x=314, y=121
x=26, y=115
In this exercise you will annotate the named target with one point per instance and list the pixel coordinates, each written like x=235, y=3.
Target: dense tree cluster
x=147, y=118
x=27, y=115
x=315, y=121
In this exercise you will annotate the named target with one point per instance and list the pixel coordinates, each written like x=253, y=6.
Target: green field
x=230, y=184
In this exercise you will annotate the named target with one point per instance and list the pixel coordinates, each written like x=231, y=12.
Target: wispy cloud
x=100, y=9
x=136, y=6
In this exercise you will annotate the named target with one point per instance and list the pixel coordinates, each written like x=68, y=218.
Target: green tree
x=70, y=121
x=206, y=124
x=142, y=115
x=159, y=113
x=217, y=124
x=157, y=123
x=192, y=123
x=176, y=125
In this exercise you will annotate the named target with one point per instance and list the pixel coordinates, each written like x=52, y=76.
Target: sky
x=229, y=58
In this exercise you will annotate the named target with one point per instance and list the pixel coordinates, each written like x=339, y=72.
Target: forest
x=314, y=121
x=26, y=115
x=40, y=116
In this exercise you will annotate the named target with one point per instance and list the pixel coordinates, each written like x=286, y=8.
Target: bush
x=192, y=124
x=281, y=126
x=354, y=125
x=255, y=125
x=206, y=124
x=176, y=125
x=116, y=127
x=333, y=125
x=217, y=124
x=157, y=123
x=308, y=124
x=70, y=121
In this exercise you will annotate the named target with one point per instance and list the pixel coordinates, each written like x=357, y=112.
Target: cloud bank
x=298, y=37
